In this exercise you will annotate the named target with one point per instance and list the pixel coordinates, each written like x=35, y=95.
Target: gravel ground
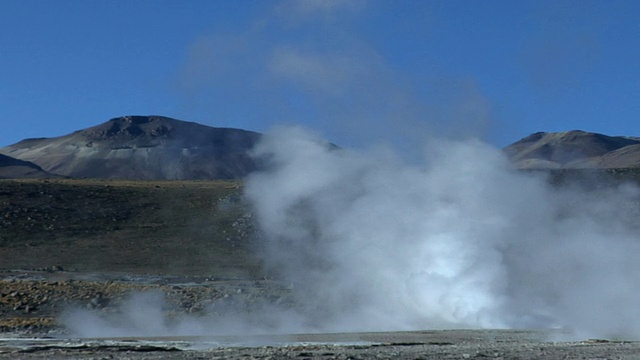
x=30, y=302
x=451, y=344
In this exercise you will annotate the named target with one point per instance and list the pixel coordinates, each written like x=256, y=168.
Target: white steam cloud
x=148, y=314
x=372, y=243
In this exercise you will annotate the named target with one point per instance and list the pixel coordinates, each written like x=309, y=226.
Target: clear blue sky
x=356, y=71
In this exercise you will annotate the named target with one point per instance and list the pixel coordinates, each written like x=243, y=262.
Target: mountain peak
x=143, y=147
x=571, y=149
x=133, y=127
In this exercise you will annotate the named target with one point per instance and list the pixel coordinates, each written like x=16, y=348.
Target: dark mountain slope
x=11, y=168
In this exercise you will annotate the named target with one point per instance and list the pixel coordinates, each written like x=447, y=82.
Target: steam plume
x=462, y=240
x=371, y=243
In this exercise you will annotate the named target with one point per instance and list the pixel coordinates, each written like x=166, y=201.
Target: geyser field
x=364, y=241
x=370, y=243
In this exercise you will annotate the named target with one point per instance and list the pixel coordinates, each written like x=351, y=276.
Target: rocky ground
x=30, y=326
x=451, y=344
x=32, y=301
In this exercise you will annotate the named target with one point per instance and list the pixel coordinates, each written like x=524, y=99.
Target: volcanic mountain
x=11, y=168
x=574, y=150
x=143, y=147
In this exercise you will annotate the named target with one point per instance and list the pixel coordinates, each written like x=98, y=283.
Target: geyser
x=370, y=242
x=461, y=240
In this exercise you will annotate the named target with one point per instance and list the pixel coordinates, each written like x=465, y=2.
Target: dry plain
x=89, y=243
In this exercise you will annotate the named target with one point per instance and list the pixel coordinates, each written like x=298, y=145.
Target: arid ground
x=90, y=243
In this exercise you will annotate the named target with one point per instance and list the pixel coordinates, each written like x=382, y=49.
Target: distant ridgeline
x=143, y=147
x=15, y=168
x=162, y=148
x=575, y=150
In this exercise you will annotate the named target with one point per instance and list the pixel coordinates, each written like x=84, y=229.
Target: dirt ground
x=89, y=244
x=134, y=227
x=450, y=344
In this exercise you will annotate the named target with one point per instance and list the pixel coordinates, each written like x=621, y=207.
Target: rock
x=98, y=302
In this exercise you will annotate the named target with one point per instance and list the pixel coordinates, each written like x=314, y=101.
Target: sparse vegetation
x=178, y=227
x=153, y=227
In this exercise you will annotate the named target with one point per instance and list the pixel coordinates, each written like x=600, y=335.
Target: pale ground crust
x=444, y=344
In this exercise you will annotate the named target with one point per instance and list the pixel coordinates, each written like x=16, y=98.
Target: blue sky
x=356, y=71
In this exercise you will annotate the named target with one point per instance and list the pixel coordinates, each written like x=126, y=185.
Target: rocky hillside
x=574, y=150
x=143, y=147
x=11, y=168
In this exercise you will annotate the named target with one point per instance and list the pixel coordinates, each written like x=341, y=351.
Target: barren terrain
x=90, y=243
x=139, y=227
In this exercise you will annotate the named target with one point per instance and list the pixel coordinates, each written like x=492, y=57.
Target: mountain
x=162, y=148
x=143, y=147
x=11, y=168
x=574, y=150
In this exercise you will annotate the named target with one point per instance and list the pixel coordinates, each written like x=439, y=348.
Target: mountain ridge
x=143, y=147
x=156, y=147
x=575, y=149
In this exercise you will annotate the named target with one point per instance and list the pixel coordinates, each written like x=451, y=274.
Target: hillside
x=125, y=226
x=574, y=150
x=11, y=168
x=143, y=147
x=155, y=227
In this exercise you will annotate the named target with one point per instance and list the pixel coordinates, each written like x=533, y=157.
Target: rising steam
x=372, y=243
x=462, y=240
